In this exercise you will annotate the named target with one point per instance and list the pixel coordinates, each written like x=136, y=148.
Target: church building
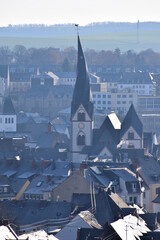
x=82, y=121
x=111, y=136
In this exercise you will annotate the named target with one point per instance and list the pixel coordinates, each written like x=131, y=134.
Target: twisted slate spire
x=82, y=94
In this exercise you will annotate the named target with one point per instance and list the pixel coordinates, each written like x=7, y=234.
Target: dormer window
x=81, y=139
x=130, y=135
x=81, y=116
x=130, y=145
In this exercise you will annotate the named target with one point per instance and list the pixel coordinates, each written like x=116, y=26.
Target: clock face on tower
x=81, y=125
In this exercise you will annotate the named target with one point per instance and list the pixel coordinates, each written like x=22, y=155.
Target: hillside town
x=79, y=152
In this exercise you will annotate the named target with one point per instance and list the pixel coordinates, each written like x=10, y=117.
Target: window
x=135, y=200
x=26, y=196
x=81, y=139
x=5, y=189
x=134, y=187
x=81, y=116
x=130, y=135
x=144, y=195
x=9, y=120
x=5, y=120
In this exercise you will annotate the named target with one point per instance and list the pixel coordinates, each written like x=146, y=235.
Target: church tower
x=81, y=110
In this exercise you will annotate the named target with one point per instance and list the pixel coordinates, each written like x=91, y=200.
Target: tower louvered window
x=81, y=116
x=81, y=139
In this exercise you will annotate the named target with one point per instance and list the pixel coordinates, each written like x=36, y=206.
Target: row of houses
x=80, y=181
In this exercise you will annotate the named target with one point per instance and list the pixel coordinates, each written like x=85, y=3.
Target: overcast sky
x=73, y=11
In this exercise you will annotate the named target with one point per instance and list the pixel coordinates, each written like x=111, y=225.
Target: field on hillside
x=101, y=41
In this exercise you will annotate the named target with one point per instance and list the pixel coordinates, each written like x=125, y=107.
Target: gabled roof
x=132, y=120
x=8, y=108
x=82, y=93
x=3, y=71
x=135, y=78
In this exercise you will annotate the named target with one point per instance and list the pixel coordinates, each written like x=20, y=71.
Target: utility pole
x=138, y=31
x=126, y=231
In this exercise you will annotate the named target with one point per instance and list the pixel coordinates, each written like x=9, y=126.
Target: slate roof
x=125, y=174
x=20, y=77
x=135, y=78
x=149, y=171
x=66, y=74
x=150, y=219
x=22, y=118
x=8, y=108
x=57, y=91
x=28, y=212
x=70, y=230
x=107, y=135
x=82, y=92
x=47, y=140
x=132, y=120
x=157, y=199
x=107, y=210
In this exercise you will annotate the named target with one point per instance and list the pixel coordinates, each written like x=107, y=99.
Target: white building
x=119, y=102
x=138, y=82
x=8, y=119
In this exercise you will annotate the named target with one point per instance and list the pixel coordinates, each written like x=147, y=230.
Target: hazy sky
x=77, y=11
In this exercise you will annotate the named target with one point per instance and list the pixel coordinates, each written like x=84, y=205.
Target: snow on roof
x=38, y=235
x=6, y=233
x=130, y=227
x=114, y=120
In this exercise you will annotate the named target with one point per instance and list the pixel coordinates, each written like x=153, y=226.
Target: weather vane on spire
x=77, y=25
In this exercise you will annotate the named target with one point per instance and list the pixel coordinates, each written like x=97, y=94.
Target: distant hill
x=98, y=36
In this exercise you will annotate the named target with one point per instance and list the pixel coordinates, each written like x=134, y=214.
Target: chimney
x=78, y=233
x=49, y=127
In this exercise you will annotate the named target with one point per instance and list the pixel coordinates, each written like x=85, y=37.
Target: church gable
x=132, y=120
x=81, y=115
x=131, y=134
x=131, y=139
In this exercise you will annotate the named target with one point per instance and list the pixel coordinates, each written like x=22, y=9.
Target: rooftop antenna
x=77, y=27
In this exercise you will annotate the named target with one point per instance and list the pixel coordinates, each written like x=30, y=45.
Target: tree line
x=67, y=58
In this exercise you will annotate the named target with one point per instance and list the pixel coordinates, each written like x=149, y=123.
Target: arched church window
x=81, y=139
x=130, y=135
x=81, y=116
